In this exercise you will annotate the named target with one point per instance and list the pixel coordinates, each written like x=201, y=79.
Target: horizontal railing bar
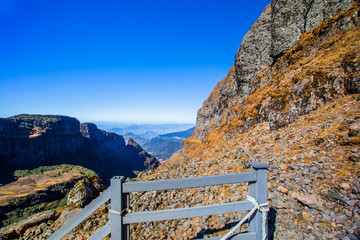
x=81, y=216
x=178, y=213
x=181, y=183
x=101, y=233
x=240, y=236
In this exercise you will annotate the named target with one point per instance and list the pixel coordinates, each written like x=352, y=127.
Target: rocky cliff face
x=105, y=143
x=275, y=32
x=28, y=141
x=134, y=148
x=290, y=19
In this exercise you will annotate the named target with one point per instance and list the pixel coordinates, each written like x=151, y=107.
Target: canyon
x=30, y=141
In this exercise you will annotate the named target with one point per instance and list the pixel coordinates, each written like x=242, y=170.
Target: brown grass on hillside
x=28, y=185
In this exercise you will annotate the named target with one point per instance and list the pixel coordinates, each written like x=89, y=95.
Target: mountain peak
x=132, y=142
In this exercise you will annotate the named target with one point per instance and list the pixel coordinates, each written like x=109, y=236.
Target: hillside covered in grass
x=37, y=190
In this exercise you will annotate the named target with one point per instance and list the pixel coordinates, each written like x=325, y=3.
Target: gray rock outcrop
x=291, y=18
x=277, y=29
x=85, y=191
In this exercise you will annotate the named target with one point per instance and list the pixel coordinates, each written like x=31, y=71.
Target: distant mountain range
x=165, y=145
x=149, y=131
x=138, y=139
x=161, y=140
x=178, y=135
x=162, y=146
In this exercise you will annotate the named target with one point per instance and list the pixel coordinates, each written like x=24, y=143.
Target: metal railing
x=119, y=220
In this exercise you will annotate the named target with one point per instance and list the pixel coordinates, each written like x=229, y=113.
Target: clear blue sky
x=127, y=61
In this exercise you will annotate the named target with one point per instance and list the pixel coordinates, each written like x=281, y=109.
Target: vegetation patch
x=23, y=213
x=43, y=169
x=37, y=190
x=37, y=118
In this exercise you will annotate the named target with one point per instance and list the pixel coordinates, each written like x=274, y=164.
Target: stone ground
x=314, y=182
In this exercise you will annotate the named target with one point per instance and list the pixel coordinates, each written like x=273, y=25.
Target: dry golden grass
x=28, y=185
x=315, y=60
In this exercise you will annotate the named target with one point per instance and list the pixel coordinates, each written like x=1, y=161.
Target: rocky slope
x=277, y=29
x=29, y=141
x=313, y=180
x=291, y=101
x=314, y=185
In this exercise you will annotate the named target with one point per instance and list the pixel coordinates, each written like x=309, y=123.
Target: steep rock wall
x=29, y=141
x=277, y=29
x=105, y=143
x=292, y=18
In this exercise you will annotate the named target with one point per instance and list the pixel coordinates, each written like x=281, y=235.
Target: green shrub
x=20, y=214
x=36, y=117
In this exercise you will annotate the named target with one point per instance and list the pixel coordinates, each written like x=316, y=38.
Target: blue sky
x=126, y=61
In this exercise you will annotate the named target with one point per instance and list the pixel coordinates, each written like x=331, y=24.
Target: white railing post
x=258, y=190
x=116, y=208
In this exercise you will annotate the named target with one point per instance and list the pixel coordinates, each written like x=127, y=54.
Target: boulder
x=85, y=191
x=309, y=200
x=354, y=129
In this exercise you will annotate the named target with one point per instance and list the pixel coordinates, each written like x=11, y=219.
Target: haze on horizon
x=118, y=61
